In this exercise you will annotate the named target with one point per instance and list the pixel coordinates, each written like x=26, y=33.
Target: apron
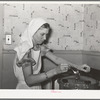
x=36, y=70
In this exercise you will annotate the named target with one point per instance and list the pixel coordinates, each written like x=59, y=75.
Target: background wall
x=91, y=29
x=66, y=21
x=1, y=34
x=75, y=26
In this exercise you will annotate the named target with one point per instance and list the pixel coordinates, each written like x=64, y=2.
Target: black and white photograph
x=51, y=46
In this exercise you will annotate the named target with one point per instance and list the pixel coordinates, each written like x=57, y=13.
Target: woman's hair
x=46, y=25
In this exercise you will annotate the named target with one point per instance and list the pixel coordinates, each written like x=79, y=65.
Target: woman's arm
x=31, y=79
x=59, y=60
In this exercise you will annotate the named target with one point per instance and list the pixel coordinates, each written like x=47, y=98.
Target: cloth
x=26, y=38
x=24, y=45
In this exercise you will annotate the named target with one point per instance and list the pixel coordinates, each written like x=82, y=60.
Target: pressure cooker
x=80, y=82
x=77, y=81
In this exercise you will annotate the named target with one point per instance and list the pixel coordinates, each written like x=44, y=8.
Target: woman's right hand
x=58, y=70
x=62, y=68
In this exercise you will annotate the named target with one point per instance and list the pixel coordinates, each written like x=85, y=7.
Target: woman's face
x=40, y=35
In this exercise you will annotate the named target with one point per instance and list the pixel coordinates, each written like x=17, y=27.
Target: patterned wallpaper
x=92, y=27
x=74, y=26
x=66, y=21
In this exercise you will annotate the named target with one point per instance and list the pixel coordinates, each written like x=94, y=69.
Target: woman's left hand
x=64, y=67
x=61, y=68
x=84, y=68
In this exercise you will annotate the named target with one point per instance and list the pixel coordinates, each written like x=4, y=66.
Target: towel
x=26, y=39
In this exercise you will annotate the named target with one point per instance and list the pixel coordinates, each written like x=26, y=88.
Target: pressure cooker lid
x=81, y=80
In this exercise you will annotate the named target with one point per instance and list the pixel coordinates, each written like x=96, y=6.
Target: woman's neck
x=36, y=46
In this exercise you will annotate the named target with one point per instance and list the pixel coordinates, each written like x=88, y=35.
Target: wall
x=91, y=27
x=1, y=35
x=75, y=26
x=66, y=21
x=9, y=81
x=92, y=58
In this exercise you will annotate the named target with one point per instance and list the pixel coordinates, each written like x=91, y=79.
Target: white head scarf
x=26, y=38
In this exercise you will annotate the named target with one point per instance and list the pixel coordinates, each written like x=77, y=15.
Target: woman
x=27, y=63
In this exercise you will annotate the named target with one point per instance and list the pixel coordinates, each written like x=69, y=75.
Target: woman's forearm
x=58, y=60
x=33, y=79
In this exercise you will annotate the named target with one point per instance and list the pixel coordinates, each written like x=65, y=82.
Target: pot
x=80, y=82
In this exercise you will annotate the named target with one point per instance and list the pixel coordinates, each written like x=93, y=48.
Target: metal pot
x=80, y=82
